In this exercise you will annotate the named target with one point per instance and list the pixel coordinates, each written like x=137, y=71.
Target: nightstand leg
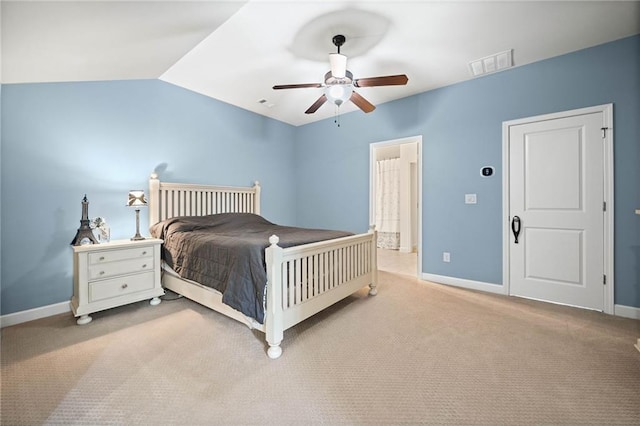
x=155, y=301
x=84, y=319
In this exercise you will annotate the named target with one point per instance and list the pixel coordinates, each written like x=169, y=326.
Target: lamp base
x=137, y=236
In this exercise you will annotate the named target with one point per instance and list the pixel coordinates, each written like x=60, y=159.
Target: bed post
x=373, y=287
x=256, y=200
x=273, y=316
x=154, y=199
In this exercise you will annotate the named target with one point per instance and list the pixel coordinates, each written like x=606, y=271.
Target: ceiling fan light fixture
x=339, y=93
x=338, y=64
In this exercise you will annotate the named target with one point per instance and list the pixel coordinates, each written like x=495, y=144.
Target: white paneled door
x=556, y=210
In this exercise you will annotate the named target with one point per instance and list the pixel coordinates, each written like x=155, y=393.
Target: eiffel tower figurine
x=84, y=234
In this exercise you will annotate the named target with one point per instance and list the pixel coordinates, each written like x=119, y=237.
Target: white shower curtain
x=388, y=203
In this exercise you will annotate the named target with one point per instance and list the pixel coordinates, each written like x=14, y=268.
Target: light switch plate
x=470, y=199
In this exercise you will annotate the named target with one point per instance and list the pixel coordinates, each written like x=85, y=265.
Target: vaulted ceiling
x=236, y=51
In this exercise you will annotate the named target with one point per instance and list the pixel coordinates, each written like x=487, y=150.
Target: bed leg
x=274, y=351
x=274, y=329
x=372, y=290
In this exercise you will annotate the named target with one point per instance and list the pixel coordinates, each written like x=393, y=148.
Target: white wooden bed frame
x=301, y=280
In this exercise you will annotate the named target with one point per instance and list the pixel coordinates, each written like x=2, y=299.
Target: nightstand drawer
x=106, y=289
x=112, y=269
x=116, y=255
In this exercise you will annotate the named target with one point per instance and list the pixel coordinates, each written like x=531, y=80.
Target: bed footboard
x=304, y=280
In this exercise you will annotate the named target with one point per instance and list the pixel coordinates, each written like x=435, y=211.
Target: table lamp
x=137, y=200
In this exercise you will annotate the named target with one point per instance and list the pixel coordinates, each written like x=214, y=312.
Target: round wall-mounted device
x=486, y=171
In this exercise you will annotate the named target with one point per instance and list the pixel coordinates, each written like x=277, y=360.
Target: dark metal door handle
x=515, y=227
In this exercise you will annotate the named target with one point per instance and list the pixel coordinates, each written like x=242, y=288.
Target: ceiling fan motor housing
x=330, y=80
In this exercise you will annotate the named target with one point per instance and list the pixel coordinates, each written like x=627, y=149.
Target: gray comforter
x=226, y=252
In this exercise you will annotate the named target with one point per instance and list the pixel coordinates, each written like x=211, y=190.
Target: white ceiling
x=235, y=51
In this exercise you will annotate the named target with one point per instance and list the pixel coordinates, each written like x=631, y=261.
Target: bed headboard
x=167, y=200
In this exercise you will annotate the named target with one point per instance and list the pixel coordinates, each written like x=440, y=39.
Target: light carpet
x=417, y=353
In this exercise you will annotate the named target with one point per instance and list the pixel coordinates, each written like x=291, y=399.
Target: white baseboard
x=626, y=311
x=34, y=314
x=460, y=282
x=619, y=310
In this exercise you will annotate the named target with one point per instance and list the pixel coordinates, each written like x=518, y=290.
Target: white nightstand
x=114, y=274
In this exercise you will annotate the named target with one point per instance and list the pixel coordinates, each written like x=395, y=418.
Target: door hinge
x=604, y=132
x=604, y=279
x=604, y=206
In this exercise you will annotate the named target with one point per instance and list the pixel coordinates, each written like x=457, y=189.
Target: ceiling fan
x=339, y=83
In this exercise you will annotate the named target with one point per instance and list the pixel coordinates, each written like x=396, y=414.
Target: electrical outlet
x=446, y=256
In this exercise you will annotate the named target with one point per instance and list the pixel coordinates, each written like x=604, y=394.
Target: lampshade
x=338, y=64
x=339, y=93
x=136, y=198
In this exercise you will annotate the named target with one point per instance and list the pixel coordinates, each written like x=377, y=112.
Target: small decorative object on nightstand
x=100, y=230
x=137, y=200
x=84, y=234
x=114, y=274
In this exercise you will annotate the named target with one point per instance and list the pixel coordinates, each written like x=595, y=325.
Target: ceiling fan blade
x=388, y=80
x=361, y=102
x=297, y=86
x=317, y=104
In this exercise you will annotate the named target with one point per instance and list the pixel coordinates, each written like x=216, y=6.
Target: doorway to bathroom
x=395, y=203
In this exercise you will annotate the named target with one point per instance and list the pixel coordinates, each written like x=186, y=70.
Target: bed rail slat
x=169, y=200
x=308, y=274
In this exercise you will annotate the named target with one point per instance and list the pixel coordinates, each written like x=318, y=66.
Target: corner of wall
x=0, y=176
x=0, y=156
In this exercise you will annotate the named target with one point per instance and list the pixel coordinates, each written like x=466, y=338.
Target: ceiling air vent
x=266, y=103
x=492, y=63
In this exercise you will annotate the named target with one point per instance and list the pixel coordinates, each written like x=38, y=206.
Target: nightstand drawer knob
x=101, y=272
x=101, y=258
x=124, y=285
x=144, y=266
x=144, y=253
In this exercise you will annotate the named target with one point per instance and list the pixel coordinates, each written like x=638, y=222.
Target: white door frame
x=372, y=186
x=607, y=112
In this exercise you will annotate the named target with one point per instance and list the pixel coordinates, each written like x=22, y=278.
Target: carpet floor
x=417, y=353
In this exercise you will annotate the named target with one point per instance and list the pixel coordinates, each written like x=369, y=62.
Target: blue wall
x=60, y=141
x=461, y=127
